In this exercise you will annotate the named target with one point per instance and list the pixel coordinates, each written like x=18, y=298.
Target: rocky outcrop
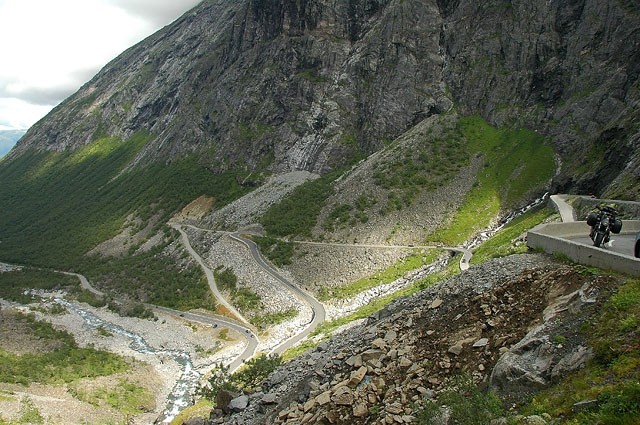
x=306, y=85
x=383, y=370
x=545, y=354
x=311, y=85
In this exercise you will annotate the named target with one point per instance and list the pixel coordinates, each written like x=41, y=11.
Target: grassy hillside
x=58, y=206
x=517, y=163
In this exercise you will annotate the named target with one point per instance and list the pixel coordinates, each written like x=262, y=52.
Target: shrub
x=297, y=214
x=277, y=251
x=65, y=363
x=226, y=279
x=467, y=403
x=246, y=379
x=14, y=284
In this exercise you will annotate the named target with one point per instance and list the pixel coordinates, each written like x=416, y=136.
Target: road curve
x=567, y=213
x=84, y=283
x=252, y=339
x=214, y=320
x=318, y=311
x=464, y=261
x=208, y=272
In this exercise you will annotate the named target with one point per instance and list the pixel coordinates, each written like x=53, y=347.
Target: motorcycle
x=603, y=222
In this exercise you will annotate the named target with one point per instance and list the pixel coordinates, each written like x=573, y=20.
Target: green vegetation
x=467, y=403
x=92, y=299
x=13, y=284
x=265, y=320
x=201, y=409
x=29, y=414
x=246, y=300
x=249, y=134
x=277, y=251
x=247, y=379
x=125, y=397
x=226, y=279
x=344, y=215
x=131, y=309
x=242, y=297
x=516, y=162
x=297, y=214
x=502, y=243
x=610, y=380
x=430, y=163
x=148, y=277
x=373, y=306
x=63, y=364
x=56, y=206
x=388, y=275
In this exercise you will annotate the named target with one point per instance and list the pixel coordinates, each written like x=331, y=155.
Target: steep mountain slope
x=233, y=92
x=384, y=121
x=568, y=69
x=304, y=85
x=313, y=84
x=390, y=368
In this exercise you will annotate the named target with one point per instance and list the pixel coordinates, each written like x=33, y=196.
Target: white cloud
x=18, y=114
x=50, y=48
x=157, y=12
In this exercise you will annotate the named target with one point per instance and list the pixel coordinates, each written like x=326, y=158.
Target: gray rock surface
x=392, y=364
x=313, y=84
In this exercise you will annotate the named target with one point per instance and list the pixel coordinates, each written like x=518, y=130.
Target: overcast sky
x=49, y=48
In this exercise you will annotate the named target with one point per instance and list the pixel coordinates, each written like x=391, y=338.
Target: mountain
x=311, y=85
x=396, y=105
x=353, y=123
x=8, y=139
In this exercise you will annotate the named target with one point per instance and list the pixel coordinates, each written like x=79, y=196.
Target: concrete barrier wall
x=581, y=228
x=549, y=237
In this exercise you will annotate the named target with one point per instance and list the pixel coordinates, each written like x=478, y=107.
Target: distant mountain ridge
x=8, y=139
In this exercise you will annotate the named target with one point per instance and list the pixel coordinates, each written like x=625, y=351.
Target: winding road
x=318, y=310
x=464, y=260
x=208, y=272
x=318, y=313
x=252, y=339
x=213, y=320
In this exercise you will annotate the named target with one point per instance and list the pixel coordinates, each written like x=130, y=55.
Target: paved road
x=622, y=244
x=84, y=283
x=567, y=213
x=464, y=261
x=318, y=312
x=214, y=320
x=208, y=272
x=249, y=335
x=317, y=309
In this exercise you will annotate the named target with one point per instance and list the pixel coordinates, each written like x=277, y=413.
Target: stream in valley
x=183, y=390
x=489, y=233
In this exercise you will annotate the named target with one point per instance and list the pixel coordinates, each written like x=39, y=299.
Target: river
x=183, y=391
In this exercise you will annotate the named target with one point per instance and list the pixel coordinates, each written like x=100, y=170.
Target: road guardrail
x=552, y=238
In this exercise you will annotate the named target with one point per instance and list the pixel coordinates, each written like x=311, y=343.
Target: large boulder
x=546, y=354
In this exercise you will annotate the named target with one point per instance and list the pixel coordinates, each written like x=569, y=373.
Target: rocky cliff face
x=314, y=84
x=566, y=68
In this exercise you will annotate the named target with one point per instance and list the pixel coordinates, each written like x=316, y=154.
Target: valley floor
x=60, y=404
